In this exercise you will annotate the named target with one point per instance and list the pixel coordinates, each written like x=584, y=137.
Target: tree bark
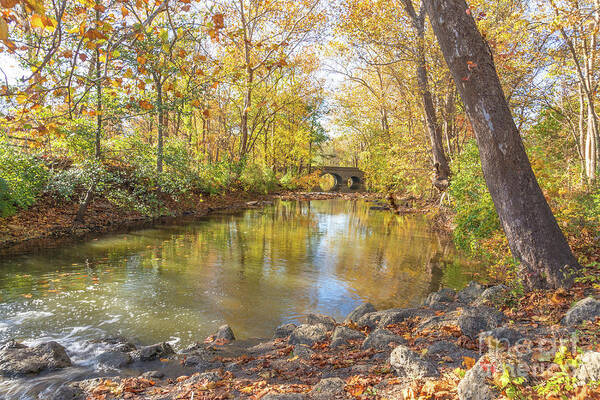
x=533, y=234
x=440, y=162
x=161, y=118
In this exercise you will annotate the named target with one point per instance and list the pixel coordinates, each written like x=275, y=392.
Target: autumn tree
x=533, y=234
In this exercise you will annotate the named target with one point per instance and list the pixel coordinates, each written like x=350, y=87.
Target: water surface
x=254, y=270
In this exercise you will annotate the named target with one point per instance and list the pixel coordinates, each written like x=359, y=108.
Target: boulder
x=589, y=367
x=225, y=333
x=441, y=296
x=473, y=321
x=113, y=359
x=382, y=339
x=502, y=336
x=448, y=352
x=285, y=396
x=303, y=351
x=587, y=309
x=62, y=393
x=17, y=359
x=342, y=334
x=153, y=352
x=329, y=388
x=393, y=316
x=314, y=319
x=359, y=311
x=410, y=365
x=284, y=331
x=476, y=385
x=153, y=375
x=116, y=343
x=471, y=292
x=308, y=334
x=492, y=296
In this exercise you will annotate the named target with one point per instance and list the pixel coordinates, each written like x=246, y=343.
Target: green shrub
x=476, y=217
x=257, y=179
x=24, y=178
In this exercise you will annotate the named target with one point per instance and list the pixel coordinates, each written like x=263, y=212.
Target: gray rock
x=314, y=319
x=302, y=351
x=476, y=385
x=308, y=334
x=153, y=352
x=444, y=349
x=359, y=311
x=589, y=367
x=113, y=359
x=225, y=333
x=382, y=339
x=502, y=336
x=384, y=318
x=17, y=359
x=285, y=396
x=473, y=321
x=471, y=292
x=342, y=334
x=153, y=375
x=587, y=309
x=492, y=296
x=62, y=393
x=329, y=388
x=409, y=364
x=284, y=331
x=441, y=296
x=116, y=343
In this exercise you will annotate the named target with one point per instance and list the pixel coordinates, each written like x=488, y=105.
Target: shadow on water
x=253, y=271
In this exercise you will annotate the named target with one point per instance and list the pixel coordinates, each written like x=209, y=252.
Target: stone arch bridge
x=347, y=179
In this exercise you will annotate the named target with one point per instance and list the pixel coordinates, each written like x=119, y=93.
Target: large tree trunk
x=534, y=237
x=440, y=162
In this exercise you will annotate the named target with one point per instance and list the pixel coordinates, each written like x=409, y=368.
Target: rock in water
x=409, y=364
x=308, y=334
x=587, y=309
x=62, y=393
x=17, y=359
x=114, y=359
x=359, y=311
x=225, y=333
x=153, y=352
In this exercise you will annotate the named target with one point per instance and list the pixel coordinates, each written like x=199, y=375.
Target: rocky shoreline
x=455, y=345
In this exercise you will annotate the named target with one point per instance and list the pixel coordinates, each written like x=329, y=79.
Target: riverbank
x=49, y=223
x=476, y=344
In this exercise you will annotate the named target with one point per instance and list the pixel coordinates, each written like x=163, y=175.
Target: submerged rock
x=225, y=333
x=359, y=311
x=113, y=359
x=342, y=334
x=308, y=334
x=153, y=352
x=18, y=359
x=409, y=364
x=587, y=309
x=62, y=393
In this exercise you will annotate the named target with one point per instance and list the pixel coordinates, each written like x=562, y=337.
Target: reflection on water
x=253, y=271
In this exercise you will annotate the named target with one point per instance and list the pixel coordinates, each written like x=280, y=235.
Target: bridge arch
x=347, y=179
